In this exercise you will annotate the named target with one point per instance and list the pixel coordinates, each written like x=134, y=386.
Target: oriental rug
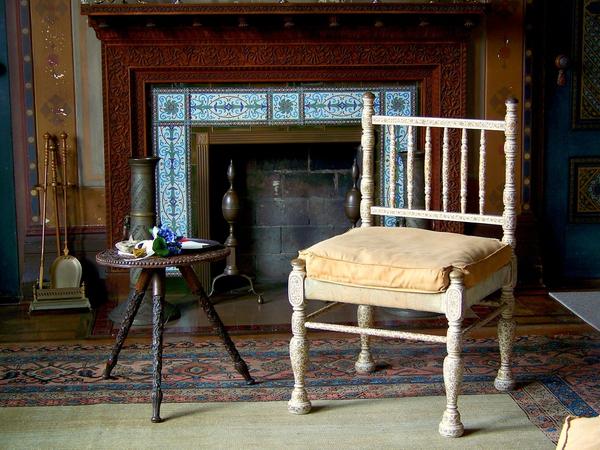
x=556, y=375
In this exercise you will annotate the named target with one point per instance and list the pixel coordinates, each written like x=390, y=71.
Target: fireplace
x=357, y=44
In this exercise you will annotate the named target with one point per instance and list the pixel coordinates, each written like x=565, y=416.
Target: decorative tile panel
x=286, y=106
x=173, y=178
x=175, y=111
x=228, y=107
x=170, y=107
x=399, y=102
x=339, y=107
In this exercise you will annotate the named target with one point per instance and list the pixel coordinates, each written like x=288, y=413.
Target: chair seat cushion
x=405, y=259
x=580, y=433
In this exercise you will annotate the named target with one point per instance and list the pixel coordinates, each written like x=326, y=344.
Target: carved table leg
x=158, y=295
x=133, y=303
x=196, y=287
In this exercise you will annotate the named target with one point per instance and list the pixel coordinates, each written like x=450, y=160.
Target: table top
x=585, y=304
x=111, y=258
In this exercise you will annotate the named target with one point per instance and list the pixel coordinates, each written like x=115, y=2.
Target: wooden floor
x=536, y=313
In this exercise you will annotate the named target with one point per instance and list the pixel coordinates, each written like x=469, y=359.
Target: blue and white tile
x=172, y=180
x=399, y=102
x=170, y=107
x=286, y=106
x=240, y=107
x=332, y=106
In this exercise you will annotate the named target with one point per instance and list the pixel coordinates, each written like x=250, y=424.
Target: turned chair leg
x=299, y=402
x=506, y=336
x=365, y=363
x=451, y=425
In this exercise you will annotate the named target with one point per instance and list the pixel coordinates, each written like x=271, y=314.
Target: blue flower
x=167, y=234
x=166, y=242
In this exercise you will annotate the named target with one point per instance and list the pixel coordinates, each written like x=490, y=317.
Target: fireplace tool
x=231, y=208
x=65, y=290
x=43, y=190
x=66, y=269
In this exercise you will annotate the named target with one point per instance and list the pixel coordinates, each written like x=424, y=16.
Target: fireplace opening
x=291, y=196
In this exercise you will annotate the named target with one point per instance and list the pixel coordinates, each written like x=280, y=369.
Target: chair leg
x=299, y=402
x=451, y=425
x=506, y=336
x=365, y=363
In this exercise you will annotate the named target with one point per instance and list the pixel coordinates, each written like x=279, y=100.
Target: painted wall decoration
x=584, y=189
x=25, y=45
x=586, y=96
x=176, y=111
x=52, y=48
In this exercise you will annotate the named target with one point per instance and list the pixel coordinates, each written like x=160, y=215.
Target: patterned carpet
x=556, y=376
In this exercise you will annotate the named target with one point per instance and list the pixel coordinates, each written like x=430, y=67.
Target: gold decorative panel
x=52, y=54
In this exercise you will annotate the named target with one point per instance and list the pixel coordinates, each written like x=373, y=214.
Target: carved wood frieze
x=135, y=58
x=464, y=9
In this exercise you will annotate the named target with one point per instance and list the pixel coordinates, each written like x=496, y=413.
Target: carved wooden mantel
x=279, y=43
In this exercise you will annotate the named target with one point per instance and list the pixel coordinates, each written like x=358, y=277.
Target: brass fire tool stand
x=231, y=208
x=65, y=289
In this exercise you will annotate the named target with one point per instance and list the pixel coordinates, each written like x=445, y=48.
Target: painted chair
x=414, y=268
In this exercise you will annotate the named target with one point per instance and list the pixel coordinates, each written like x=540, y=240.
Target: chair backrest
x=428, y=126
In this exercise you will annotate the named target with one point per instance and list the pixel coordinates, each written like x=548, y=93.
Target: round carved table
x=153, y=271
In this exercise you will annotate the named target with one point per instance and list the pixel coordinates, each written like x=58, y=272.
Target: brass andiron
x=231, y=208
x=352, y=201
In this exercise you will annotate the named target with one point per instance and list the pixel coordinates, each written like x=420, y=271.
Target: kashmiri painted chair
x=413, y=268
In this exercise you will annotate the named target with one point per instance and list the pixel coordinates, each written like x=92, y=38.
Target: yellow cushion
x=405, y=259
x=580, y=433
